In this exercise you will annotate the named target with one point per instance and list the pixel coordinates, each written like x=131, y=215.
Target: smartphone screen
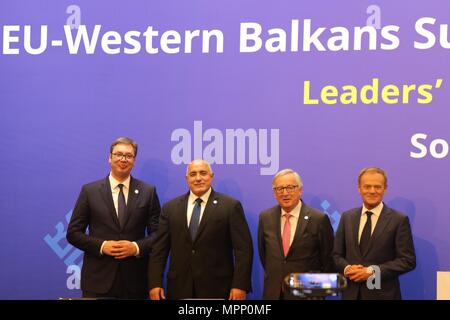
x=316, y=281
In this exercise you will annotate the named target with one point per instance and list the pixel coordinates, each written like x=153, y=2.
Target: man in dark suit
x=292, y=236
x=373, y=241
x=209, y=242
x=122, y=215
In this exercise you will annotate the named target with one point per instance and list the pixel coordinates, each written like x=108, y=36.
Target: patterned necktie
x=121, y=206
x=366, y=233
x=286, y=234
x=195, y=218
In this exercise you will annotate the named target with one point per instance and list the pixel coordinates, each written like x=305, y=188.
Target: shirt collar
x=376, y=211
x=204, y=197
x=114, y=183
x=294, y=212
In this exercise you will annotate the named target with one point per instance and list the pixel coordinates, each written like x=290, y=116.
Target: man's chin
x=123, y=174
x=372, y=204
x=199, y=192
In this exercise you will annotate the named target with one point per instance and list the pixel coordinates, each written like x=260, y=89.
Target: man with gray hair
x=292, y=236
x=208, y=239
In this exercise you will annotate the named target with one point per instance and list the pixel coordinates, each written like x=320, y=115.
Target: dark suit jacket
x=391, y=248
x=310, y=250
x=220, y=257
x=95, y=210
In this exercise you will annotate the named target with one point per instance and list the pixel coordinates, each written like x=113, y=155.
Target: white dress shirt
x=115, y=195
x=362, y=221
x=191, y=204
x=115, y=190
x=293, y=220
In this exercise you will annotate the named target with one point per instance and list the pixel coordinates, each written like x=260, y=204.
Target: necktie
x=286, y=234
x=366, y=233
x=195, y=218
x=121, y=206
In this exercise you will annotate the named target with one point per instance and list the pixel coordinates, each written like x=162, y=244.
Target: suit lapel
x=383, y=221
x=355, y=220
x=275, y=218
x=132, y=199
x=302, y=222
x=213, y=201
x=182, y=211
x=105, y=191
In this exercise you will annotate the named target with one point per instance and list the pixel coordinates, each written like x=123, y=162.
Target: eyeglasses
x=289, y=189
x=368, y=187
x=120, y=156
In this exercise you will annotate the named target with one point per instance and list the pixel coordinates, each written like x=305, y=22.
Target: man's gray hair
x=204, y=161
x=285, y=172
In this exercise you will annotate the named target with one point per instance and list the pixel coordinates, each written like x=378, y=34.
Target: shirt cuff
x=101, y=248
x=345, y=270
x=370, y=270
x=137, y=248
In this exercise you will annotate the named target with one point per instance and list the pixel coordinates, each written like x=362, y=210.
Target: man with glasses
x=121, y=214
x=292, y=236
x=373, y=241
x=209, y=242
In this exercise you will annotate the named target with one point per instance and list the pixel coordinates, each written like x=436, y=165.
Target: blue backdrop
x=323, y=87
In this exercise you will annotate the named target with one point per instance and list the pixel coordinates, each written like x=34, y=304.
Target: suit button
x=193, y=251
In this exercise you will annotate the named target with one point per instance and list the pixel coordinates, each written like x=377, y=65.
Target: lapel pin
x=136, y=191
x=215, y=201
x=306, y=217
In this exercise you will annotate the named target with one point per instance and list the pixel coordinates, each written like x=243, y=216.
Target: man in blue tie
x=208, y=239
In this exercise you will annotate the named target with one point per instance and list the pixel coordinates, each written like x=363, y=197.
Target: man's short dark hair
x=125, y=140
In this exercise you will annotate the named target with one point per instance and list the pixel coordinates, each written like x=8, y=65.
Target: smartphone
x=315, y=284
